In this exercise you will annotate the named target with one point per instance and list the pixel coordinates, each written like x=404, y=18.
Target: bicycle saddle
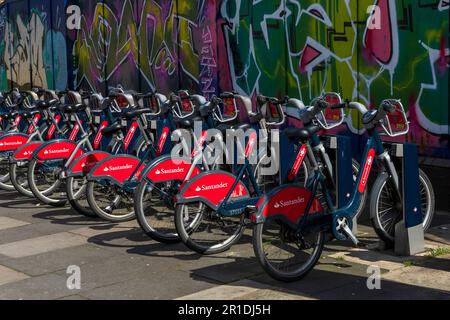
x=135, y=113
x=301, y=133
x=46, y=104
x=369, y=116
x=29, y=114
x=112, y=129
x=224, y=127
x=188, y=123
x=73, y=108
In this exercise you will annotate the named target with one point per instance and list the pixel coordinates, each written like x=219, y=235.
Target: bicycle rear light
x=273, y=113
x=331, y=118
x=227, y=111
x=395, y=123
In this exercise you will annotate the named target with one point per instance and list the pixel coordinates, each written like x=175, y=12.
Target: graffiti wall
x=367, y=50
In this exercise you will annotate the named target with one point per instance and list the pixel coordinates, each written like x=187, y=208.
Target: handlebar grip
x=339, y=106
x=216, y=101
x=387, y=107
x=261, y=99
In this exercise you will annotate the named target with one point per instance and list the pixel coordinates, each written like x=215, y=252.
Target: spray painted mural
x=365, y=49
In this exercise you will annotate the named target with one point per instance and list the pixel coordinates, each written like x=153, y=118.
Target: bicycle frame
x=374, y=150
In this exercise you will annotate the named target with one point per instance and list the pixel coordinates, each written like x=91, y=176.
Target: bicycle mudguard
x=211, y=188
x=287, y=203
x=57, y=149
x=84, y=164
x=117, y=169
x=167, y=168
x=25, y=152
x=13, y=141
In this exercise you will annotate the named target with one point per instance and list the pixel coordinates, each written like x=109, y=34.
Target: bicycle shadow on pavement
x=330, y=279
x=67, y=216
x=135, y=241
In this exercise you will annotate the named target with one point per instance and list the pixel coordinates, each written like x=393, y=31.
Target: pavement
x=40, y=246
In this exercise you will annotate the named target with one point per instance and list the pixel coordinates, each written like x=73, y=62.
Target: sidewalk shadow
x=139, y=243
x=67, y=216
x=320, y=283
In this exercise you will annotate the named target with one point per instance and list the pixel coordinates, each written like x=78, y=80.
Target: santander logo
x=288, y=203
x=169, y=171
x=117, y=168
x=221, y=185
x=11, y=143
x=64, y=150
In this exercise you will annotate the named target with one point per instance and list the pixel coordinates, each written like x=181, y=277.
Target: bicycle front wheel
x=284, y=255
x=109, y=202
x=155, y=216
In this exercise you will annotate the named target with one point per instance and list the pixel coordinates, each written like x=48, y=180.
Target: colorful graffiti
x=29, y=55
x=365, y=49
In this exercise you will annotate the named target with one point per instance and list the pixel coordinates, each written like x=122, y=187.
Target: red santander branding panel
x=52, y=128
x=25, y=152
x=88, y=161
x=298, y=162
x=366, y=171
x=251, y=144
x=17, y=120
x=291, y=203
x=119, y=167
x=99, y=136
x=12, y=142
x=162, y=140
x=130, y=134
x=34, y=123
x=170, y=170
x=59, y=150
x=74, y=132
x=214, y=187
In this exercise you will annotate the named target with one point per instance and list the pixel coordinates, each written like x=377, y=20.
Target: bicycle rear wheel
x=19, y=179
x=204, y=231
x=45, y=182
x=282, y=254
x=76, y=194
x=386, y=211
x=5, y=181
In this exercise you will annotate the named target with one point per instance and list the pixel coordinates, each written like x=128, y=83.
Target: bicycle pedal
x=343, y=226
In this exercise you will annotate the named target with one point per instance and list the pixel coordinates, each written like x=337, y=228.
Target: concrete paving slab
x=57, y=260
x=439, y=234
x=243, y=290
x=45, y=287
x=104, y=228
x=371, y=257
x=421, y=277
x=155, y=286
x=389, y=291
x=9, y=223
x=328, y=274
x=18, y=234
x=74, y=297
x=8, y=275
x=115, y=269
x=42, y=244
